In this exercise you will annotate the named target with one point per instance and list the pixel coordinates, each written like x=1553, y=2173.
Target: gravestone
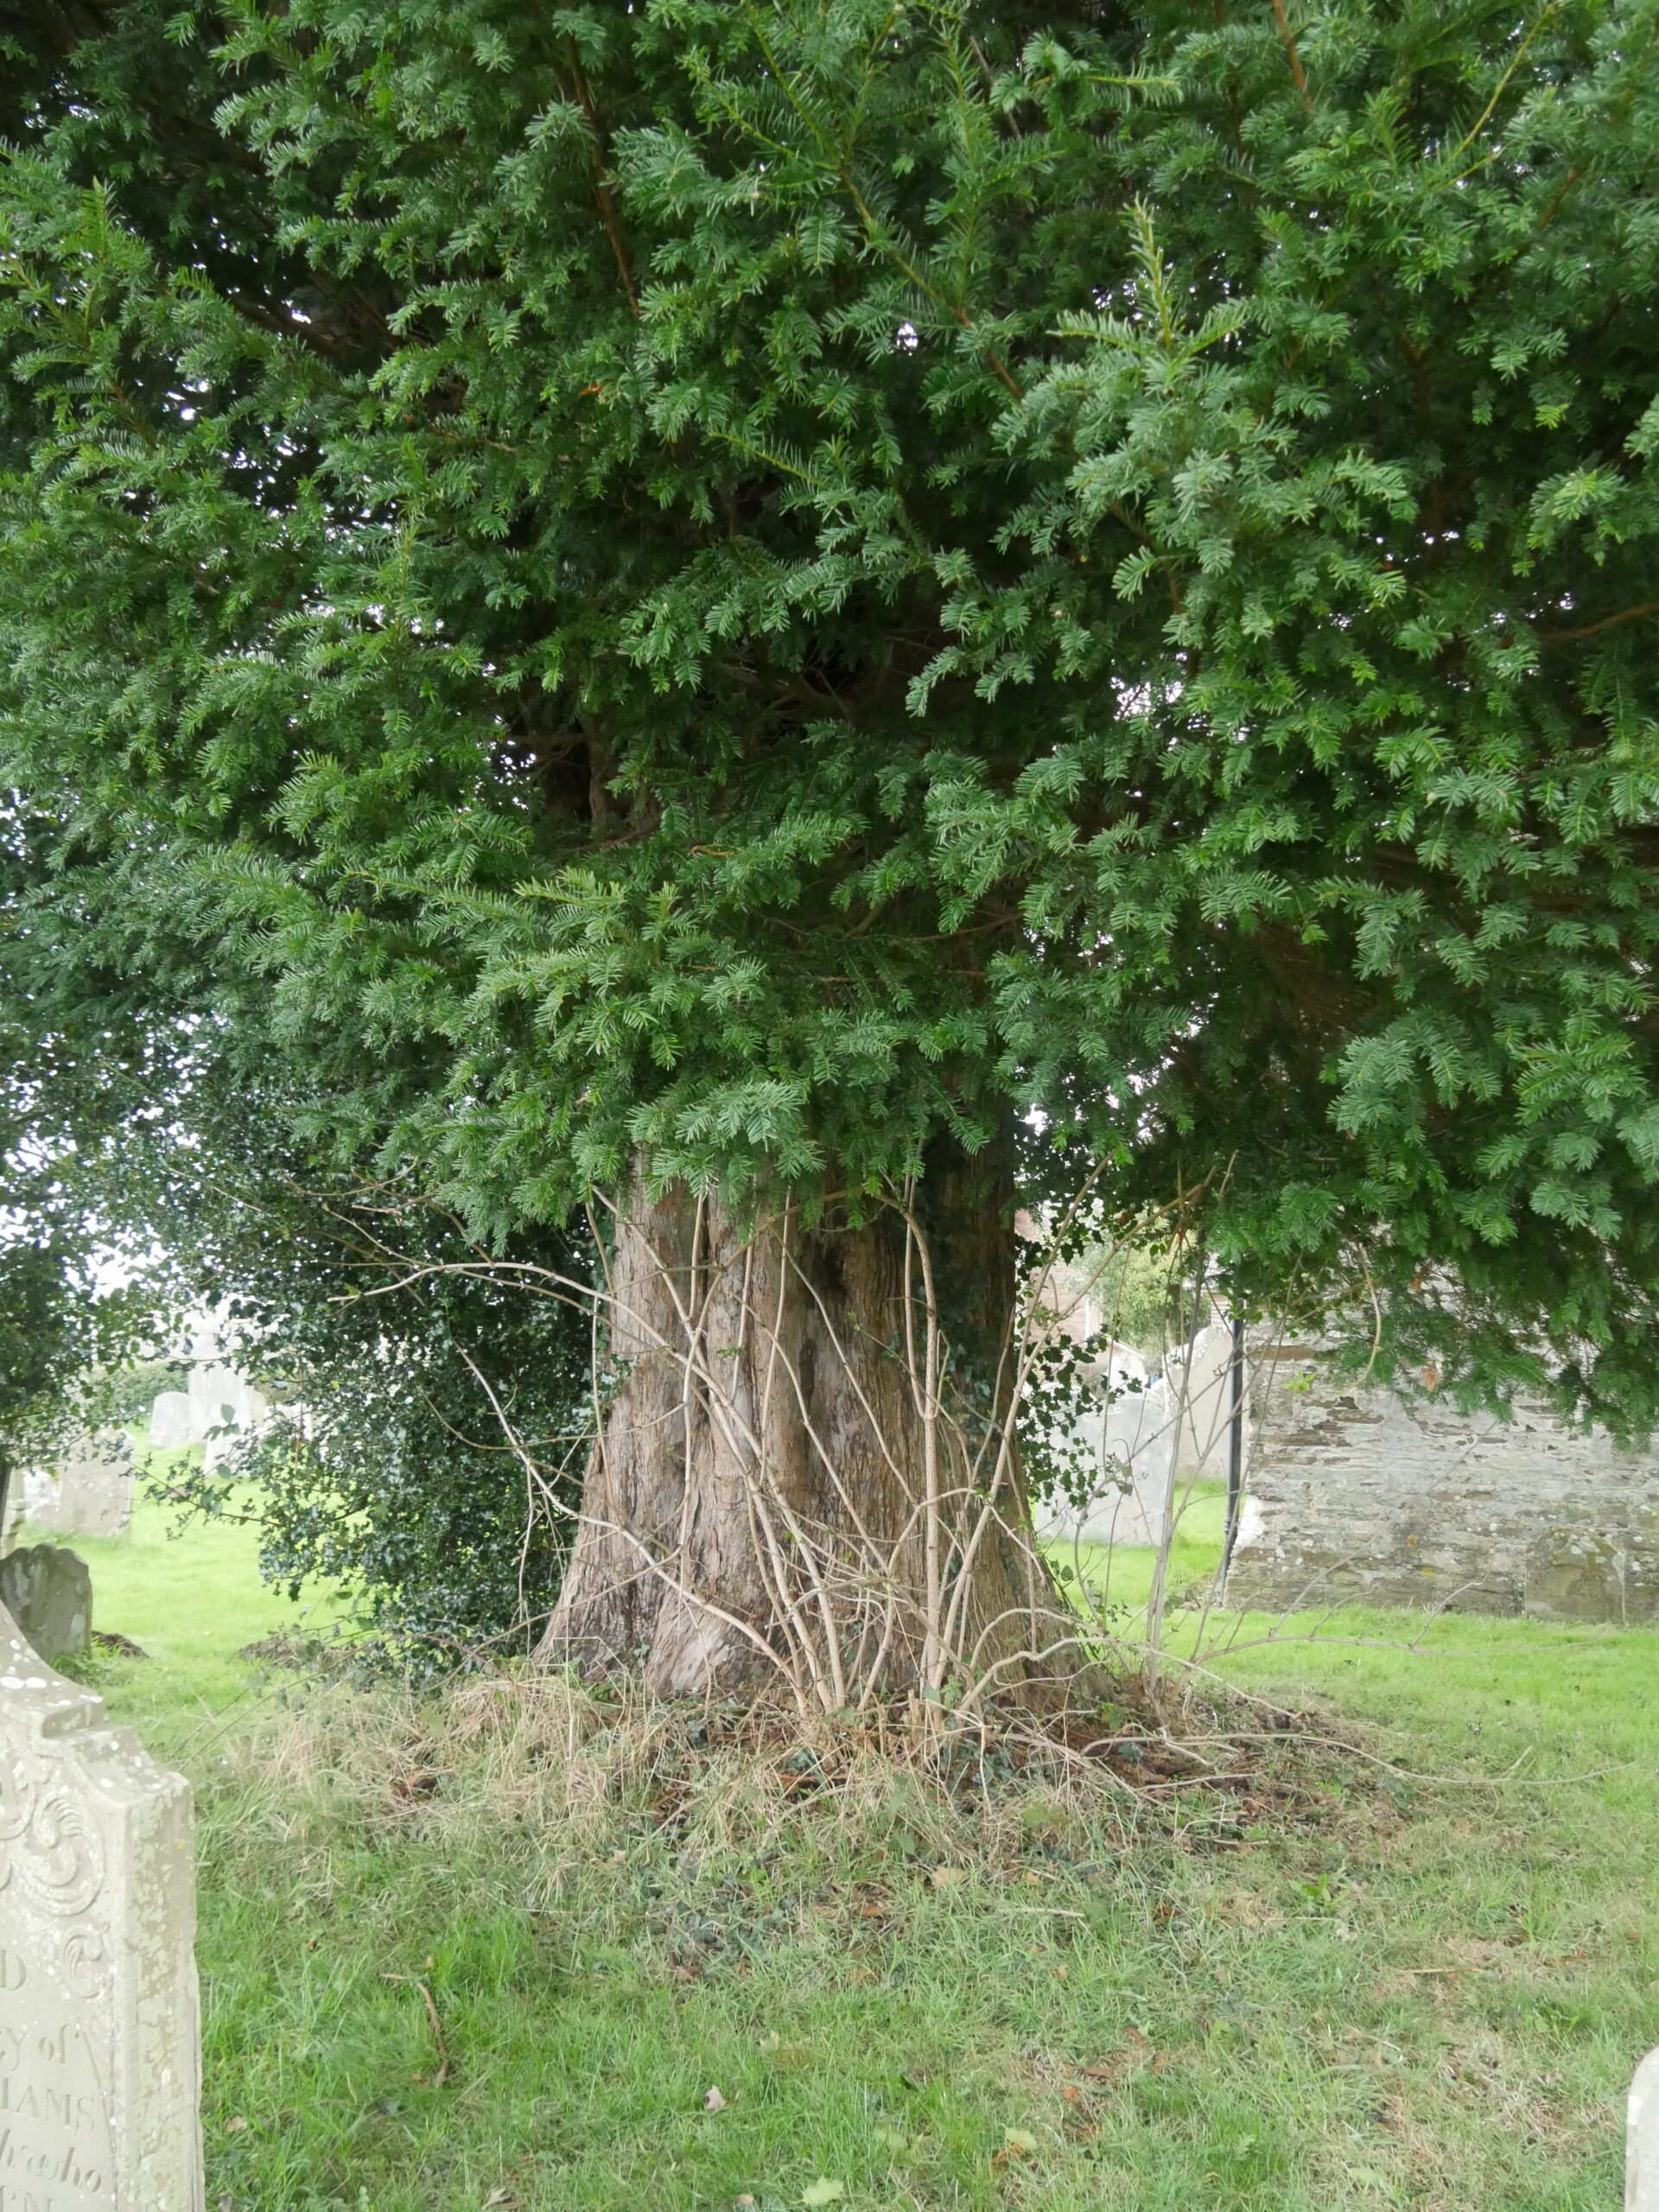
x=99, y=2042
x=86, y=1492
x=172, y=1421
x=1641, y=2139
x=219, y=1408
x=48, y=1593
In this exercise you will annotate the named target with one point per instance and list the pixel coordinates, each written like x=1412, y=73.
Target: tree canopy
x=714, y=590
x=70, y=1090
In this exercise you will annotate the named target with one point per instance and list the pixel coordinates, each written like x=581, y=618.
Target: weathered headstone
x=218, y=1409
x=1641, y=2138
x=48, y=1593
x=172, y=1421
x=86, y=1490
x=100, y=2041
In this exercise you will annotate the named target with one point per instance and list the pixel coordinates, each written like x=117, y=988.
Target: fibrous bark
x=806, y=1465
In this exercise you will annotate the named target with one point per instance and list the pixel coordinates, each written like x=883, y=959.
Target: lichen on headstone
x=100, y=2037
x=48, y=1593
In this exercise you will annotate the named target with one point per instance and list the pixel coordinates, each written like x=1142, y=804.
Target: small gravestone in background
x=86, y=1492
x=48, y=1593
x=1641, y=2139
x=100, y=2050
x=172, y=1421
x=218, y=1407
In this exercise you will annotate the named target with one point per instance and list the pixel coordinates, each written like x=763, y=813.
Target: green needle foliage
x=67, y=1320
x=718, y=589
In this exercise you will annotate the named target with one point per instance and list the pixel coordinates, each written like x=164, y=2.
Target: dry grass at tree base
x=546, y=1754
x=496, y=1946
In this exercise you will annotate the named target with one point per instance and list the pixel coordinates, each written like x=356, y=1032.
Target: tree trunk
x=807, y=1466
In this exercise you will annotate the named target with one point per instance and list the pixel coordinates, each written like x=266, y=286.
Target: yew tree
x=765, y=618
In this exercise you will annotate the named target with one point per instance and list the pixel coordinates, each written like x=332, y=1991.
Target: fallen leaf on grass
x=947, y=1877
x=1016, y=2144
x=236, y=2127
x=1135, y=2052
x=412, y=1787
x=825, y=2192
x=712, y=2100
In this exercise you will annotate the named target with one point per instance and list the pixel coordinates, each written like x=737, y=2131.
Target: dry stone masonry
x=1358, y=1493
x=100, y=2045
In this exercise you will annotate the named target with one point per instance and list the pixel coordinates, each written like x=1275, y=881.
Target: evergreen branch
x=925, y=285
x=1485, y=117
x=839, y=161
x=1584, y=630
x=1292, y=55
x=781, y=79
x=605, y=198
x=1559, y=201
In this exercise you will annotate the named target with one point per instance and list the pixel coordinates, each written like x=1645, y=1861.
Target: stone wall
x=1357, y=1493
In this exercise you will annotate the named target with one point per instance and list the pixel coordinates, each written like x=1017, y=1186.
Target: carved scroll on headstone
x=99, y=2042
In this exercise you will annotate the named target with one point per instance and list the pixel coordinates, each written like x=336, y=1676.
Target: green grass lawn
x=1117, y=1578
x=1419, y=1992
x=190, y=1600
